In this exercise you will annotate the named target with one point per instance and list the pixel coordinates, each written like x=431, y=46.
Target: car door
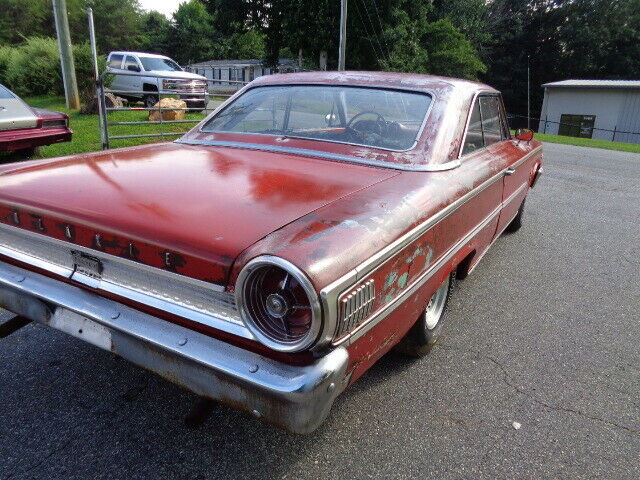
x=514, y=155
x=14, y=113
x=133, y=82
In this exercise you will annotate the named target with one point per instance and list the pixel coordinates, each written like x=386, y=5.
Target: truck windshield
x=372, y=117
x=162, y=64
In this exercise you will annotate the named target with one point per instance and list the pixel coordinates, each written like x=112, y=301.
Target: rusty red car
x=272, y=254
x=24, y=128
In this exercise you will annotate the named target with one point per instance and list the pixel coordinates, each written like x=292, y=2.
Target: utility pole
x=66, y=54
x=528, y=92
x=343, y=34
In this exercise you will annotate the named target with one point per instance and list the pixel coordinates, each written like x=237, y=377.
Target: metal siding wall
x=629, y=120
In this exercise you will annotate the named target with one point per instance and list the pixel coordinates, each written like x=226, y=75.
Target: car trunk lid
x=203, y=203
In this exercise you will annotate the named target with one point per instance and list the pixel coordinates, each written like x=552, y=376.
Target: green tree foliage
x=249, y=44
x=435, y=47
x=155, y=33
x=562, y=38
x=193, y=37
x=33, y=68
x=22, y=18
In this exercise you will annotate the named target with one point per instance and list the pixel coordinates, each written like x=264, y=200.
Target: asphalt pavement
x=543, y=336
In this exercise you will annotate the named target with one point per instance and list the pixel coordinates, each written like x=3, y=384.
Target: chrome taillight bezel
x=305, y=342
x=55, y=123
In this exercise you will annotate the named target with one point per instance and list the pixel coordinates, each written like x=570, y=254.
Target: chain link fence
x=543, y=125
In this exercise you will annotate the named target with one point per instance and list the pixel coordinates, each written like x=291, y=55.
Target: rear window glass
x=115, y=61
x=372, y=117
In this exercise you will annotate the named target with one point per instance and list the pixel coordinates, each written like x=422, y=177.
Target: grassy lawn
x=86, y=134
x=588, y=142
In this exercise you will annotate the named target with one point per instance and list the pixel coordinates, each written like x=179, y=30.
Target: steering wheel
x=380, y=124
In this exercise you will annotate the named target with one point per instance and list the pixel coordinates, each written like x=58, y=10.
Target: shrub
x=5, y=56
x=33, y=68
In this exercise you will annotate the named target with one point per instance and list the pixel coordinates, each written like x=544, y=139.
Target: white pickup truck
x=146, y=76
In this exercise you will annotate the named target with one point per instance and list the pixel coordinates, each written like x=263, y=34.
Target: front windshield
x=373, y=117
x=158, y=63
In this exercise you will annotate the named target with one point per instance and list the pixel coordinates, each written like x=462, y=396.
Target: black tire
x=422, y=337
x=201, y=106
x=150, y=100
x=27, y=153
x=516, y=223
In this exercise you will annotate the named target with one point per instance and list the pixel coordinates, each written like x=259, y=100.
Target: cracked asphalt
x=545, y=333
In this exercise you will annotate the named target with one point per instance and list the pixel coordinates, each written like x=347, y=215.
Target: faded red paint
x=11, y=140
x=220, y=207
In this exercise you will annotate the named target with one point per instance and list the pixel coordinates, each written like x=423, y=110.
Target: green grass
x=588, y=142
x=86, y=134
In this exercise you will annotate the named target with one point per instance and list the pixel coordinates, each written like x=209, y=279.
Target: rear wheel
x=425, y=333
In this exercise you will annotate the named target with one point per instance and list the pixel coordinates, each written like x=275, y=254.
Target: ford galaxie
x=272, y=254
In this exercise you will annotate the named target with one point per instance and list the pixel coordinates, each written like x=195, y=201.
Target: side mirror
x=524, y=134
x=133, y=68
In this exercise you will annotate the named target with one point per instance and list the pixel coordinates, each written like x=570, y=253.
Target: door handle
x=510, y=171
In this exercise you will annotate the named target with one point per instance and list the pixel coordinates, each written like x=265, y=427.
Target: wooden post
x=66, y=54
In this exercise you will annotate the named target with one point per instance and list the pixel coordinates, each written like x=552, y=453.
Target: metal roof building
x=240, y=70
x=601, y=109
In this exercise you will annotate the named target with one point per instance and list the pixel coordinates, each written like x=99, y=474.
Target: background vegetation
x=488, y=40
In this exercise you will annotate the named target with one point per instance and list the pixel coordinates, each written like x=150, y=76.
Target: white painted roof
x=138, y=54
x=594, y=84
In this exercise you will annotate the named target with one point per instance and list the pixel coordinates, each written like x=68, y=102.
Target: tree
x=249, y=44
x=423, y=46
x=156, y=33
x=194, y=38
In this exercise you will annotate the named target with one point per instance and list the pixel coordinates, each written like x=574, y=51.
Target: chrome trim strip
x=106, y=256
x=297, y=398
x=513, y=196
x=421, y=280
x=330, y=294
x=316, y=310
x=204, y=303
x=327, y=155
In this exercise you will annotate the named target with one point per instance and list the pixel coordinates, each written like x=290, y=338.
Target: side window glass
x=115, y=61
x=474, y=139
x=131, y=62
x=505, y=121
x=491, y=121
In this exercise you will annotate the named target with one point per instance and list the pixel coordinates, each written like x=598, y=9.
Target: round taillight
x=278, y=304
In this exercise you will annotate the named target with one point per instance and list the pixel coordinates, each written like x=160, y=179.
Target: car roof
x=410, y=81
x=138, y=54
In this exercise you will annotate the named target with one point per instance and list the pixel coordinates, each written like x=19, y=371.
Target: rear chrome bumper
x=295, y=398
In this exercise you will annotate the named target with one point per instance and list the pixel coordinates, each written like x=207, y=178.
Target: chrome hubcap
x=435, y=307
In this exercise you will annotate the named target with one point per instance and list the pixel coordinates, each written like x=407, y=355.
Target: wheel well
x=148, y=87
x=462, y=270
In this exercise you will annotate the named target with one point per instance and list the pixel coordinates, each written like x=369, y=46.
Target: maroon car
x=274, y=253
x=25, y=128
